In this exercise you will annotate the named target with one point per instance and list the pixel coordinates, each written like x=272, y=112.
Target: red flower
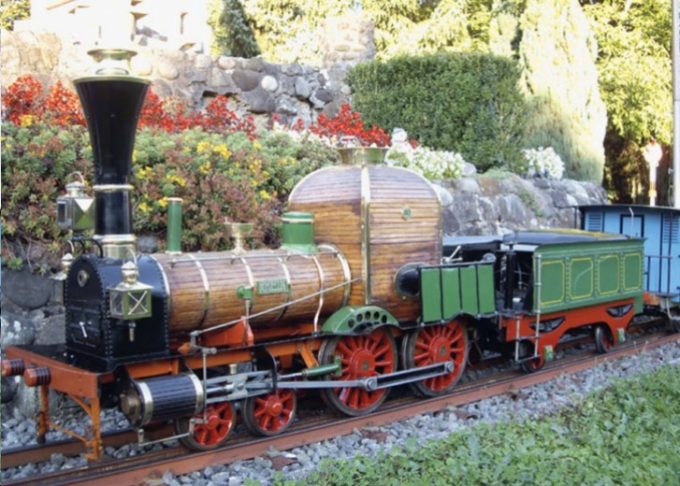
x=62, y=107
x=22, y=98
x=349, y=124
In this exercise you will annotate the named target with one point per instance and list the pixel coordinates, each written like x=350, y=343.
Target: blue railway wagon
x=659, y=226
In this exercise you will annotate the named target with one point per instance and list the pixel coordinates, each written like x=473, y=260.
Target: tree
x=557, y=54
x=232, y=35
x=635, y=69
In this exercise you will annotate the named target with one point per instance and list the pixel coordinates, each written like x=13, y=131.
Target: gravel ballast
x=529, y=403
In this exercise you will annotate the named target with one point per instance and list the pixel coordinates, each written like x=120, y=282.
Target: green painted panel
x=431, y=295
x=468, y=280
x=552, y=282
x=609, y=274
x=451, y=290
x=487, y=303
x=616, y=272
x=632, y=274
x=581, y=273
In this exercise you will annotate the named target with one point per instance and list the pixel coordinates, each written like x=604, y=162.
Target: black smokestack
x=112, y=105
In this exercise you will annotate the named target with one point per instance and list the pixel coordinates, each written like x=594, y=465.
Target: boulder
x=246, y=80
x=26, y=289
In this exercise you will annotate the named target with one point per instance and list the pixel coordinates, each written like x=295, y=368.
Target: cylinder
x=173, y=242
x=162, y=398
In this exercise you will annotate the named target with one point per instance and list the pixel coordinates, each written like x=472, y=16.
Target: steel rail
x=141, y=469
x=19, y=456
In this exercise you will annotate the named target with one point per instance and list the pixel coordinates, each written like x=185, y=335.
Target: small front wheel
x=218, y=422
x=270, y=414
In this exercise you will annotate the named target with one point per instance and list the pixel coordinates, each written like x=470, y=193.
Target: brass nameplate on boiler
x=274, y=286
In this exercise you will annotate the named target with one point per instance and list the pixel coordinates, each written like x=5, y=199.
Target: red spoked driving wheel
x=436, y=344
x=360, y=357
x=270, y=414
x=213, y=432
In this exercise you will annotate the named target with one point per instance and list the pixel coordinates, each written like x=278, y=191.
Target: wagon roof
x=559, y=236
x=627, y=207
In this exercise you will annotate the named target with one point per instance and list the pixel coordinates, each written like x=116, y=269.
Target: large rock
x=51, y=330
x=26, y=289
x=246, y=80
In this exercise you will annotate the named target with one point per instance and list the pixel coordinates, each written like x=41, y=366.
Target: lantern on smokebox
x=130, y=300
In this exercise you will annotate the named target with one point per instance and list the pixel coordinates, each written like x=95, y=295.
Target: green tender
x=583, y=274
x=450, y=290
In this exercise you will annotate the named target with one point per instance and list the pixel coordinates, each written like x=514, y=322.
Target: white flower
x=433, y=164
x=543, y=162
x=399, y=135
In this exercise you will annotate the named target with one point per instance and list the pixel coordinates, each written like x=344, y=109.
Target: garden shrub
x=464, y=102
x=221, y=168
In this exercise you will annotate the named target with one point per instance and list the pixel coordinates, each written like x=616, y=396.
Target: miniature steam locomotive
x=363, y=295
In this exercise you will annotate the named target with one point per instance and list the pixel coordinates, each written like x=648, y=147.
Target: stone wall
x=492, y=204
x=257, y=87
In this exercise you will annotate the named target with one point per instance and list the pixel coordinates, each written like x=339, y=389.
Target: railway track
x=149, y=468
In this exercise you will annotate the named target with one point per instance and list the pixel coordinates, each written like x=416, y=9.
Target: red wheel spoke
x=383, y=350
x=342, y=347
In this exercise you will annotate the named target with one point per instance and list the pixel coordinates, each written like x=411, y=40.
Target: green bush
x=218, y=176
x=464, y=102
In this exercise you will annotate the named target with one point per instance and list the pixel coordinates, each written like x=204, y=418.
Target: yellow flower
x=265, y=195
x=203, y=147
x=143, y=172
x=180, y=181
x=163, y=203
x=257, y=145
x=204, y=168
x=222, y=150
x=143, y=207
x=26, y=120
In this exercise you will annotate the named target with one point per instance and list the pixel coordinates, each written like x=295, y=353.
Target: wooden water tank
x=381, y=218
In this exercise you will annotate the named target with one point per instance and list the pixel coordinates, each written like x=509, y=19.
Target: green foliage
x=559, y=78
x=466, y=102
x=288, y=30
x=414, y=27
x=218, y=176
x=626, y=434
x=12, y=10
x=232, y=35
x=634, y=38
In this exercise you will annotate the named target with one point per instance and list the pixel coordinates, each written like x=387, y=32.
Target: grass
x=626, y=434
